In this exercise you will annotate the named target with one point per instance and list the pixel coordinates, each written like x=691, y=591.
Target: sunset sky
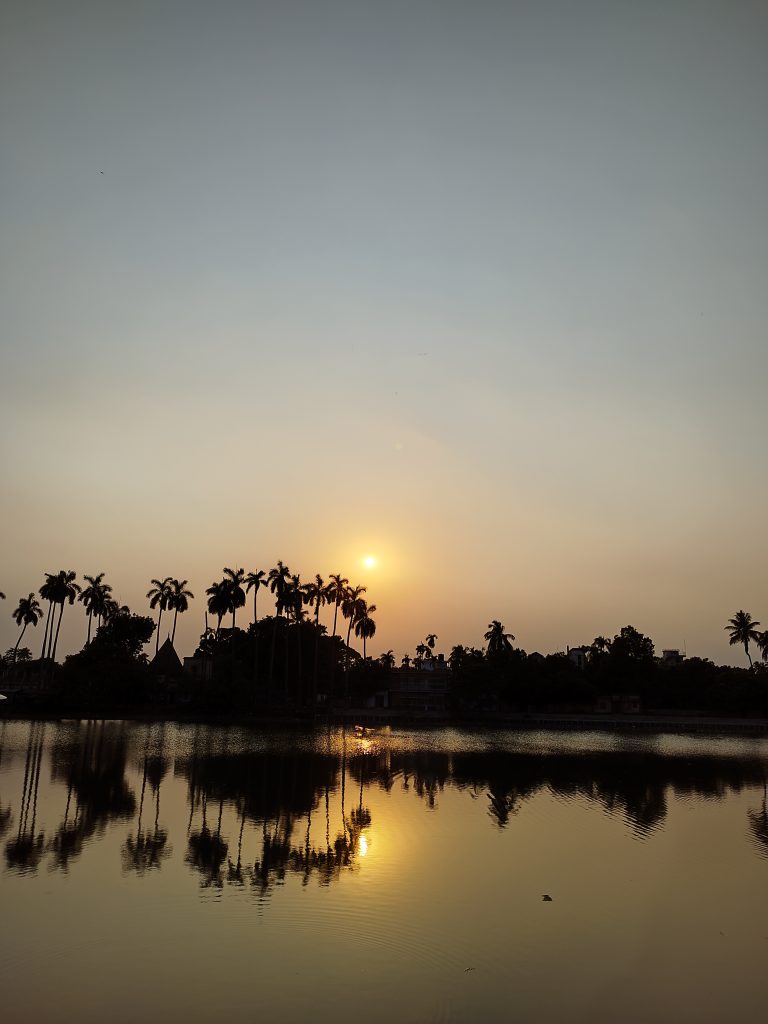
x=479, y=289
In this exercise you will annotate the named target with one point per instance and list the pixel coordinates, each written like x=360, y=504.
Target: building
x=579, y=656
x=423, y=687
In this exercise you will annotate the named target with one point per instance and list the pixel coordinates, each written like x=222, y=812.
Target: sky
x=476, y=288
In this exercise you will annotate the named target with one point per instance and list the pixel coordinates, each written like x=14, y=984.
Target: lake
x=191, y=873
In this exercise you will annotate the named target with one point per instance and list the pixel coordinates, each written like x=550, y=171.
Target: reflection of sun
x=363, y=849
x=369, y=561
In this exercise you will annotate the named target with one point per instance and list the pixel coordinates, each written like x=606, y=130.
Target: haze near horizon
x=477, y=290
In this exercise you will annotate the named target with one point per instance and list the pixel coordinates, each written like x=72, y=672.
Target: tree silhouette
x=499, y=642
x=94, y=597
x=63, y=590
x=218, y=601
x=278, y=578
x=741, y=629
x=365, y=627
x=159, y=597
x=253, y=581
x=29, y=613
x=179, y=601
x=234, y=578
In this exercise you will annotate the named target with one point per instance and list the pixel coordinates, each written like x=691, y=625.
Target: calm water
x=181, y=873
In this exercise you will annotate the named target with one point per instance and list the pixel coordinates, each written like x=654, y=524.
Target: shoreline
x=379, y=717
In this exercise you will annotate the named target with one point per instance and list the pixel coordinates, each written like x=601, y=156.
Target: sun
x=369, y=561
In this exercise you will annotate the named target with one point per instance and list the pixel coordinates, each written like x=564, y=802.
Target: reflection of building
x=618, y=704
x=423, y=687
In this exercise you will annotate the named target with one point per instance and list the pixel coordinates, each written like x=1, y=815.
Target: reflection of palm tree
x=741, y=629
x=25, y=851
x=29, y=612
x=207, y=850
x=159, y=597
x=758, y=819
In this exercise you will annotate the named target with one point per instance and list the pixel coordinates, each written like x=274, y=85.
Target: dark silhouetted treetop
x=159, y=597
x=499, y=642
x=234, y=579
x=631, y=645
x=28, y=613
x=179, y=601
x=742, y=629
x=94, y=597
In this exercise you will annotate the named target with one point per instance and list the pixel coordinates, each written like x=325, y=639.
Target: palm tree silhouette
x=179, y=601
x=741, y=629
x=365, y=627
x=219, y=601
x=278, y=583
x=499, y=642
x=29, y=612
x=94, y=597
x=159, y=597
x=317, y=593
x=47, y=592
x=337, y=588
x=387, y=660
x=253, y=581
x=64, y=590
x=234, y=578
x=351, y=609
x=762, y=643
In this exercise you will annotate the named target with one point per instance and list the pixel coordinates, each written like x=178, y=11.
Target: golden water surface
x=190, y=873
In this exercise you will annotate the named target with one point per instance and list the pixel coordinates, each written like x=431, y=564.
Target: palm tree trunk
x=58, y=627
x=255, y=638
x=317, y=654
x=90, y=616
x=19, y=640
x=746, y=648
x=346, y=662
x=173, y=632
x=45, y=634
x=157, y=638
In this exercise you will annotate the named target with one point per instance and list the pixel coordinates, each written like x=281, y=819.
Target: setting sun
x=369, y=561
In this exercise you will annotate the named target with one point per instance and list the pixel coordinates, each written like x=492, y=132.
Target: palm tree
x=278, y=581
x=47, y=592
x=235, y=578
x=94, y=597
x=29, y=612
x=406, y=662
x=421, y=651
x=337, y=588
x=253, y=581
x=365, y=627
x=159, y=597
x=499, y=642
x=387, y=660
x=743, y=628
x=179, y=601
x=350, y=609
x=762, y=643
x=64, y=590
x=317, y=593
x=219, y=603
x=430, y=641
